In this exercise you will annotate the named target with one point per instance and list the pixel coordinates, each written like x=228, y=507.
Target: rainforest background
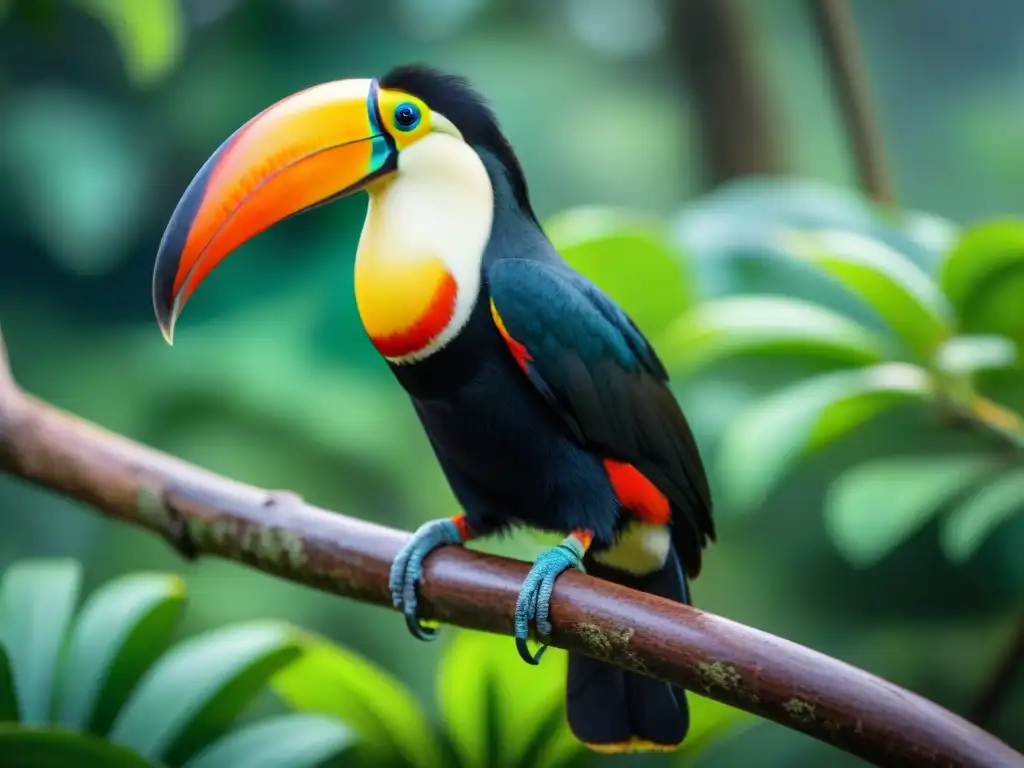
x=687, y=156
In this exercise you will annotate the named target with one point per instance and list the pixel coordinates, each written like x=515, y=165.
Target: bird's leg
x=535, y=594
x=407, y=567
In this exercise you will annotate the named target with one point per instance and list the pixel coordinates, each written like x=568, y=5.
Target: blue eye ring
x=407, y=116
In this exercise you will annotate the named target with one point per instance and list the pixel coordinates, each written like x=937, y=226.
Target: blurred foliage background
x=851, y=370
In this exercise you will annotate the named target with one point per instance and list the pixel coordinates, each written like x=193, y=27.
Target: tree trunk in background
x=738, y=132
x=837, y=35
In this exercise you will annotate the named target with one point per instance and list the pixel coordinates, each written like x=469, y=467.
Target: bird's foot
x=535, y=595
x=407, y=568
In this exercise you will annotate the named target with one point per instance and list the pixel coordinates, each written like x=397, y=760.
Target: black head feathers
x=455, y=98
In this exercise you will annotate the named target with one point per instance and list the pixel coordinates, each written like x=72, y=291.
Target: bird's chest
x=509, y=459
x=493, y=427
x=506, y=453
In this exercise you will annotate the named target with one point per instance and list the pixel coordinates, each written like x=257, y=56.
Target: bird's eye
x=407, y=116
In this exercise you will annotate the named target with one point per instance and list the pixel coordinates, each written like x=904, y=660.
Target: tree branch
x=279, y=534
x=838, y=35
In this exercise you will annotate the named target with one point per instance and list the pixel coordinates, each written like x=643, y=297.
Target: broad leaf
x=731, y=235
x=122, y=629
x=742, y=209
x=981, y=513
x=194, y=693
x=984, y=276
x=765, y=440
x=380, y=709
x=981, y=256
x=43, y=748
x=895, y=287
x=295, y=740
x=711, y=721
x=150, y=34
x=496, y=710
x=964, y=355
x=630, y=258
x=758, y=324
x=874, y=507
x=38, y=599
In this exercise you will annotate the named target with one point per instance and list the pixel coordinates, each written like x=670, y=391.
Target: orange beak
x=316, y=146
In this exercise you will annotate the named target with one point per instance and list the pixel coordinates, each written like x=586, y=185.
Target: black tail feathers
x=611, y=710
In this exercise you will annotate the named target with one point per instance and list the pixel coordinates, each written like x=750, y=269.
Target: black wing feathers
x=595, y=367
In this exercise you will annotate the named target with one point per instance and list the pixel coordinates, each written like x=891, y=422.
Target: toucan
x=545, y=405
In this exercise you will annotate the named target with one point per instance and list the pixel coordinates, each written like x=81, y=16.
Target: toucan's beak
x=308, y=149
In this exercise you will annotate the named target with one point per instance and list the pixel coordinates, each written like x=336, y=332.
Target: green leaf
x=149, y=33
x=38, y=598
x=389, y=720
x=121, y=631
x=742, y=325
x=964, y=355
x=492, y=705
x=710, y=722
x=874, y=507
x=195, y=692
x=630, y=258
x=981, y=513
x=895, y=287
x=41, y=748
x=982, y=255
x=765, y=440
x=8, y=697
x=983, y=276
x=295, y=740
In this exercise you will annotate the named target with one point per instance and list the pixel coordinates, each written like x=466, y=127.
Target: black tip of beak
x=166, y=302
x=165, y=319
x=165, y=271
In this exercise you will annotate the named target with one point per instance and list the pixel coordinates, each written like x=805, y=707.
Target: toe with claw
x=407, y=568
x=535, y=594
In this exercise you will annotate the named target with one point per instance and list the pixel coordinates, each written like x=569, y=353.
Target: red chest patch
x=435, y=318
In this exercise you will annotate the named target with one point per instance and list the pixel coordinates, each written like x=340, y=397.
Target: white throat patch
x=439, y=205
